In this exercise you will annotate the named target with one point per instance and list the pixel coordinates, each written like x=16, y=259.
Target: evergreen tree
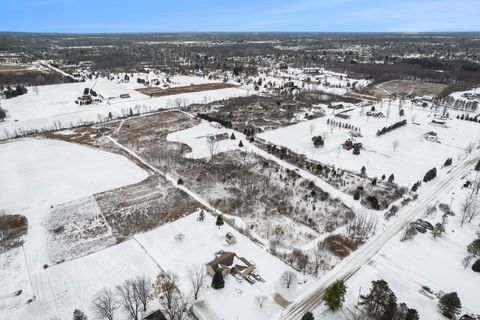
x=474, y=247
x=448, y=162
x=412, y=314
x=79, y=315
x=363, y=171
x=450, y=305
x=3, y=114
x=308, y=316
x=318, y=141
x=476, y=266
x=356, y=149
x=391, y=178
x=378, y=301
x=232, y=137
x=240, y=144
x=201, y=215
x=217, y=281
x=477, y=167
x=219, y=220
x=438, y=229
x=356, y=195
x=383, y=177
x=335, y=295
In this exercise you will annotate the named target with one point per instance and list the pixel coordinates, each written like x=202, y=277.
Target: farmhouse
x=85, y=99
x=229, y=262
x=377, y=114
x=342, y=116
x=349, y=144
x=218, y=137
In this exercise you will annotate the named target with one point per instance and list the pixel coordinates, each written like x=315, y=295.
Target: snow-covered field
x=423, y=261
x=197, y=138
x=409, y=162
x=55, y=106
x=42, y=173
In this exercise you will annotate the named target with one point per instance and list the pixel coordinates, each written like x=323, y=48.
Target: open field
x=410, y=88
x=55, y=172
x=158, y=92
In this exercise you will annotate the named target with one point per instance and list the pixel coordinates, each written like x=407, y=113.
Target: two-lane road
x=362, y=256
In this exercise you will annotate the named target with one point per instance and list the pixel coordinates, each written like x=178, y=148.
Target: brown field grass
x=339, y=245
x=158, y=92
x=12, y=228
x=406, y=87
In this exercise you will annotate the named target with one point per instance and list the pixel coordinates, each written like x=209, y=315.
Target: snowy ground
x=196, y=138
x=409, y=162
x=202, y=240
x=55, y=106
x=42, y=173
x=423, y=261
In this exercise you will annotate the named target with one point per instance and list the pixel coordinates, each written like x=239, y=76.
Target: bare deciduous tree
x=260, y=300
x=311, y=127
x=465, y=210
x=171, y=299
x=129, y=299
x=213, y=147
x=143, y=289
x=318, y=257
x=288, y=278
x=196, y=275
x=105, y=304
x=470, y=147
x=361, y=227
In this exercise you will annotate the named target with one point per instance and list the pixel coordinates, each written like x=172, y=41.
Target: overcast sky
x=245, y=15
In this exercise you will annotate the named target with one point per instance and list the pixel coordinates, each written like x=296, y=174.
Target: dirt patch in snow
x=12, y=229
x=158, y=92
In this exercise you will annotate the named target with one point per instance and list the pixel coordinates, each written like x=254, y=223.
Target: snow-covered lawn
x=202, y=239
x=409, y=162
x=197, y=138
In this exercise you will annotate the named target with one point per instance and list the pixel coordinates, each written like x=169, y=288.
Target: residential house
x=229, y=262
x=156, y=315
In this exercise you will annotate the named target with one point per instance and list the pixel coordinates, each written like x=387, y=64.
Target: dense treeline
x=225, y=123
x=394, y=126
